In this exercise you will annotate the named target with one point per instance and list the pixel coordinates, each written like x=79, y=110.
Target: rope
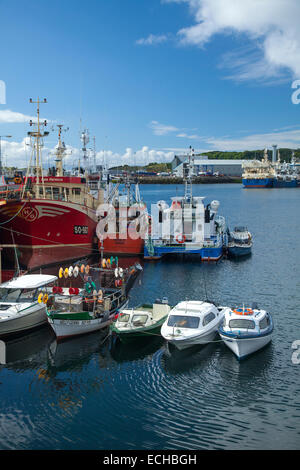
x=89, y=250
x=7, y=221
x=157, y=334
x=105, y=338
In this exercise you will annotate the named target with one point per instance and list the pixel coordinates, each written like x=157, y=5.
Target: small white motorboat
x=246, y=330
x=191, y=323
x=239, y=242
x=23, y=303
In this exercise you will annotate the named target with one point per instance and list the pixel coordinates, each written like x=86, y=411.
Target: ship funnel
x=274, y=153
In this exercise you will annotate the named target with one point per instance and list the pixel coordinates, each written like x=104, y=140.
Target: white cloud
x=272, y=27
x=162, y=129
x=8, y=116
x=282, y=138
x=18, y=154
x=152, y=39
x=189, y=136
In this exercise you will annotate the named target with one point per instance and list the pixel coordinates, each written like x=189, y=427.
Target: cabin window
x=55, y=193
x=76, y=191
x=9, y=295
x=183, y=321
x=123, y=318
x=208, y=318
x=27, y=295
x=264, y=323
x=242, y=323
x=139, y=320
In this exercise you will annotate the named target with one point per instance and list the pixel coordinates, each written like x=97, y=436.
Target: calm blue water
x=86, y=394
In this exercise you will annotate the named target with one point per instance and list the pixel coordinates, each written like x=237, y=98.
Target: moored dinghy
x=191, y=323
x=246, y=330
x=140, y=322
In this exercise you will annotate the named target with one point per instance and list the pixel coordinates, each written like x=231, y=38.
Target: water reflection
x=138, y=349
x=29, y=348
x=179, y=362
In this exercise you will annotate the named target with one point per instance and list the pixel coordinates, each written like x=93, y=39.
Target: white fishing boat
x=246, y=330
x=191, y=323
x=73, y=312
x=23, y=303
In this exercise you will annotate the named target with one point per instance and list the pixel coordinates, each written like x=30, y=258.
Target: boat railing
x=11, y=192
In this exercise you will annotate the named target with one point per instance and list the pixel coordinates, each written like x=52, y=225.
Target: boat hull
x=243, y=347
x=131, y=335
x=284, y=184
x=46, y=231
x=239, y=250
x=68, y=328
x=186, y=343
x=206, y=254
x=258, y=183
x=33, y=317
x=119, y=246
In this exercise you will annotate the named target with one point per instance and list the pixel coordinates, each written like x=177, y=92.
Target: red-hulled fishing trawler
x=129, y=215
x=48, y=219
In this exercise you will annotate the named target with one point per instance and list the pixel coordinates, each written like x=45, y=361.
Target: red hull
x=46, y=231
x=119, y=246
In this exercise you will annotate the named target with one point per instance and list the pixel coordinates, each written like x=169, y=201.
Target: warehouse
x=207, y=166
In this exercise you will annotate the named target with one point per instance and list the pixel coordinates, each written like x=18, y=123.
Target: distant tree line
x=285, y=154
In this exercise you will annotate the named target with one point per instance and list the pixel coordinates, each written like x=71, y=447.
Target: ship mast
x=60, y=152
x=37, y=135
x=188, y=178
x=85, y=140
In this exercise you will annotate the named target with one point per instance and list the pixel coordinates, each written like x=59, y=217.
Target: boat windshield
x=139, y=320
x=17, y=295
x=242, y=323
x=183, y=321
x=123, y=318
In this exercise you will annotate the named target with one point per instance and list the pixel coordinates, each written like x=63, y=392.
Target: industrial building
x=201, y=164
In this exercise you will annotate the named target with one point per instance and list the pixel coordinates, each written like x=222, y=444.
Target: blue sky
x=151, y=77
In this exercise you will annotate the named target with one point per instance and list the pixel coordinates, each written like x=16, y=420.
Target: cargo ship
x=285, y=174
x=266, y=174
x=258, y=174
x=48, y=219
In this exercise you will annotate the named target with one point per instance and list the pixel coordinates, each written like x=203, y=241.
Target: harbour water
x=88, y=393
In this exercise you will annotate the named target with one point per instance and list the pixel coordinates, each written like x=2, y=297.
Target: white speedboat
x=192, y=322
x=22, y=303
x=246, y=330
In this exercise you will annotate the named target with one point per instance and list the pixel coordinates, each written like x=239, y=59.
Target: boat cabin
x=142, y=316
x=192, y=315
x=245, y=321
x=24, y=289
